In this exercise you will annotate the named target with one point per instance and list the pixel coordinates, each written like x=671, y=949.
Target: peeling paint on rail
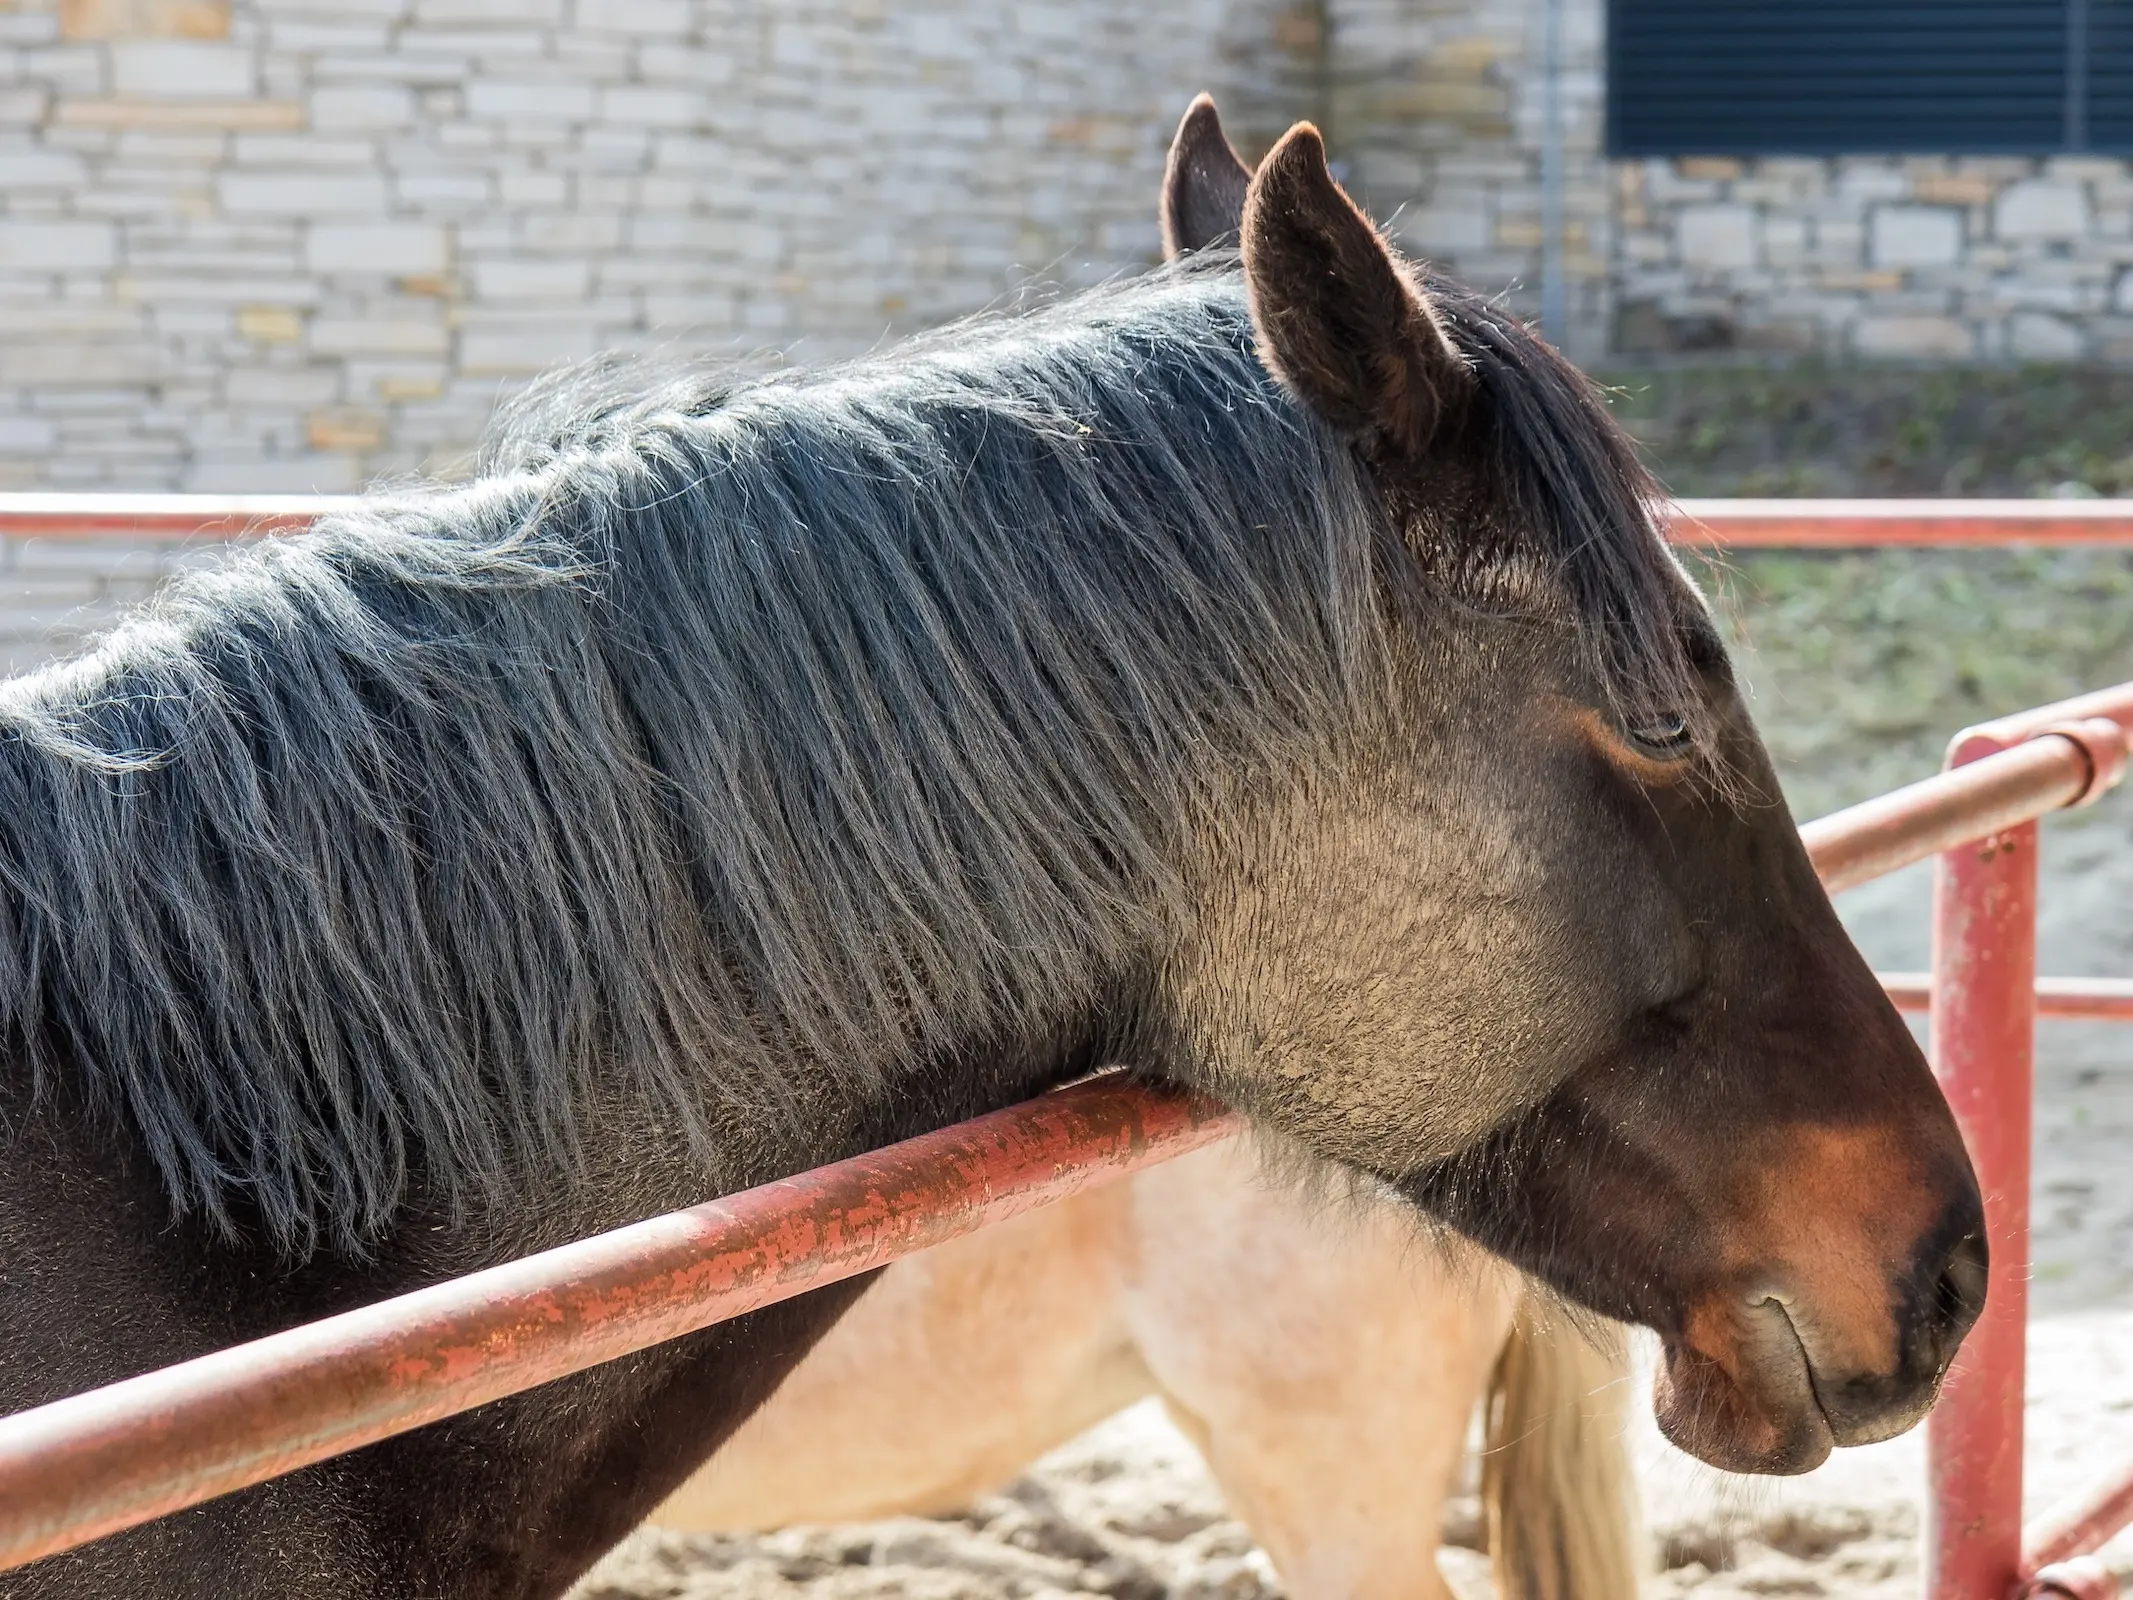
x=95, y=1463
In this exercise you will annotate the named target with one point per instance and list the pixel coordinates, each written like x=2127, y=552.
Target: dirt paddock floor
x=1859, y=667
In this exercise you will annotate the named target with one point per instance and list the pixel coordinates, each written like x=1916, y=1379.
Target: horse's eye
x=1666, y=738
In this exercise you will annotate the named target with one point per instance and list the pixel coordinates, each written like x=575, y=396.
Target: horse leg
x=1328, y=1359
x=956, y=1370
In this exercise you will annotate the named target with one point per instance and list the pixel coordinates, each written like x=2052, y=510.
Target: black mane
x=722, y=736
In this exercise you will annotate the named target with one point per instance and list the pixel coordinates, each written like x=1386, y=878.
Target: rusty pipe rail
x=1730, y=524
x=2070, y=761
x=1914, y=524
x=95, y=1463
x=1984, y=1003
x=2091, y=999
x=2078, y=1524
x=161, y=516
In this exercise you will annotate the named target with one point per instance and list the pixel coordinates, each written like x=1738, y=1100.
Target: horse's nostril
x=1958, y=1295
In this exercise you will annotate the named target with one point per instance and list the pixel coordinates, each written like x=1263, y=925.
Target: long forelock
x=1574, y=512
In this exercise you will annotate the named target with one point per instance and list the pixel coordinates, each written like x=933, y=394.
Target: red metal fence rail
x=160, y=516
x=1858, y=524
x=1733, y=524
x=90, y=1465
x=2074, y=999
x=1984, y=1014
x=83, y=1467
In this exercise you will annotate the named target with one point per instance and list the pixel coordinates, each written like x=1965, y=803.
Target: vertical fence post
x=1984, y=1027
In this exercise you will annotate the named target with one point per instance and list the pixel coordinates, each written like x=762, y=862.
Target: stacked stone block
x=287, y=245
x=57, y=593
x=1437, y=108
x=1907, y=258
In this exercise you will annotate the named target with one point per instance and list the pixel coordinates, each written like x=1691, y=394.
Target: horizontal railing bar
x=92, y=1464
x=2115, y=704
x=1731, y=524
x=1920, y=820
x=2100, y=998
x=1867, y=524
x=161, y=516
x=2080, y=1524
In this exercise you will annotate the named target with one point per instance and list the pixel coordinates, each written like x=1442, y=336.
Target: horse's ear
x=1203, y=184
x=1340, y=320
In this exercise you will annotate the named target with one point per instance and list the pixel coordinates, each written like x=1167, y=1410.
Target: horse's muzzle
x=1765, y=1382
x=1942, y=1302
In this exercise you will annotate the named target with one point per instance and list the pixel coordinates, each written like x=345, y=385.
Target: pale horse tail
x=1565, y=1519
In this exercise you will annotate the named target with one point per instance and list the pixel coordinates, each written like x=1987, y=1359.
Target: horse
x=1326, y=1362
x=1265, y=672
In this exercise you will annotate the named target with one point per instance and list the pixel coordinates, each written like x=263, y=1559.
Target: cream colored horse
x=1325, y=1359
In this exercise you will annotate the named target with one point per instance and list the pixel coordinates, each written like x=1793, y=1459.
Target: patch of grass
x=1822, y=429
x=1860, y=664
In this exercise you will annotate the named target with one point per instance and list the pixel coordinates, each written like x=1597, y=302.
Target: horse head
x=1547, y=956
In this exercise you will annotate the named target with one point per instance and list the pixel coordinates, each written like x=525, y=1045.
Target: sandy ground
x=1125, y=1510
x=1860, y=668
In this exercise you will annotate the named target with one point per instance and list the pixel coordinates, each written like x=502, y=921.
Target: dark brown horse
x=1266, y=673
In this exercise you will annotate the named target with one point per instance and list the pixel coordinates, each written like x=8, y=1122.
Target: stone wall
x=1436, y=108
x=295, y=244
x=1916, y=258
x=298, y=244
x=55, y=593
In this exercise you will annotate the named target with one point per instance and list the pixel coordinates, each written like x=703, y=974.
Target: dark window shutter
x=2108, y=106
x=1831, y=77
